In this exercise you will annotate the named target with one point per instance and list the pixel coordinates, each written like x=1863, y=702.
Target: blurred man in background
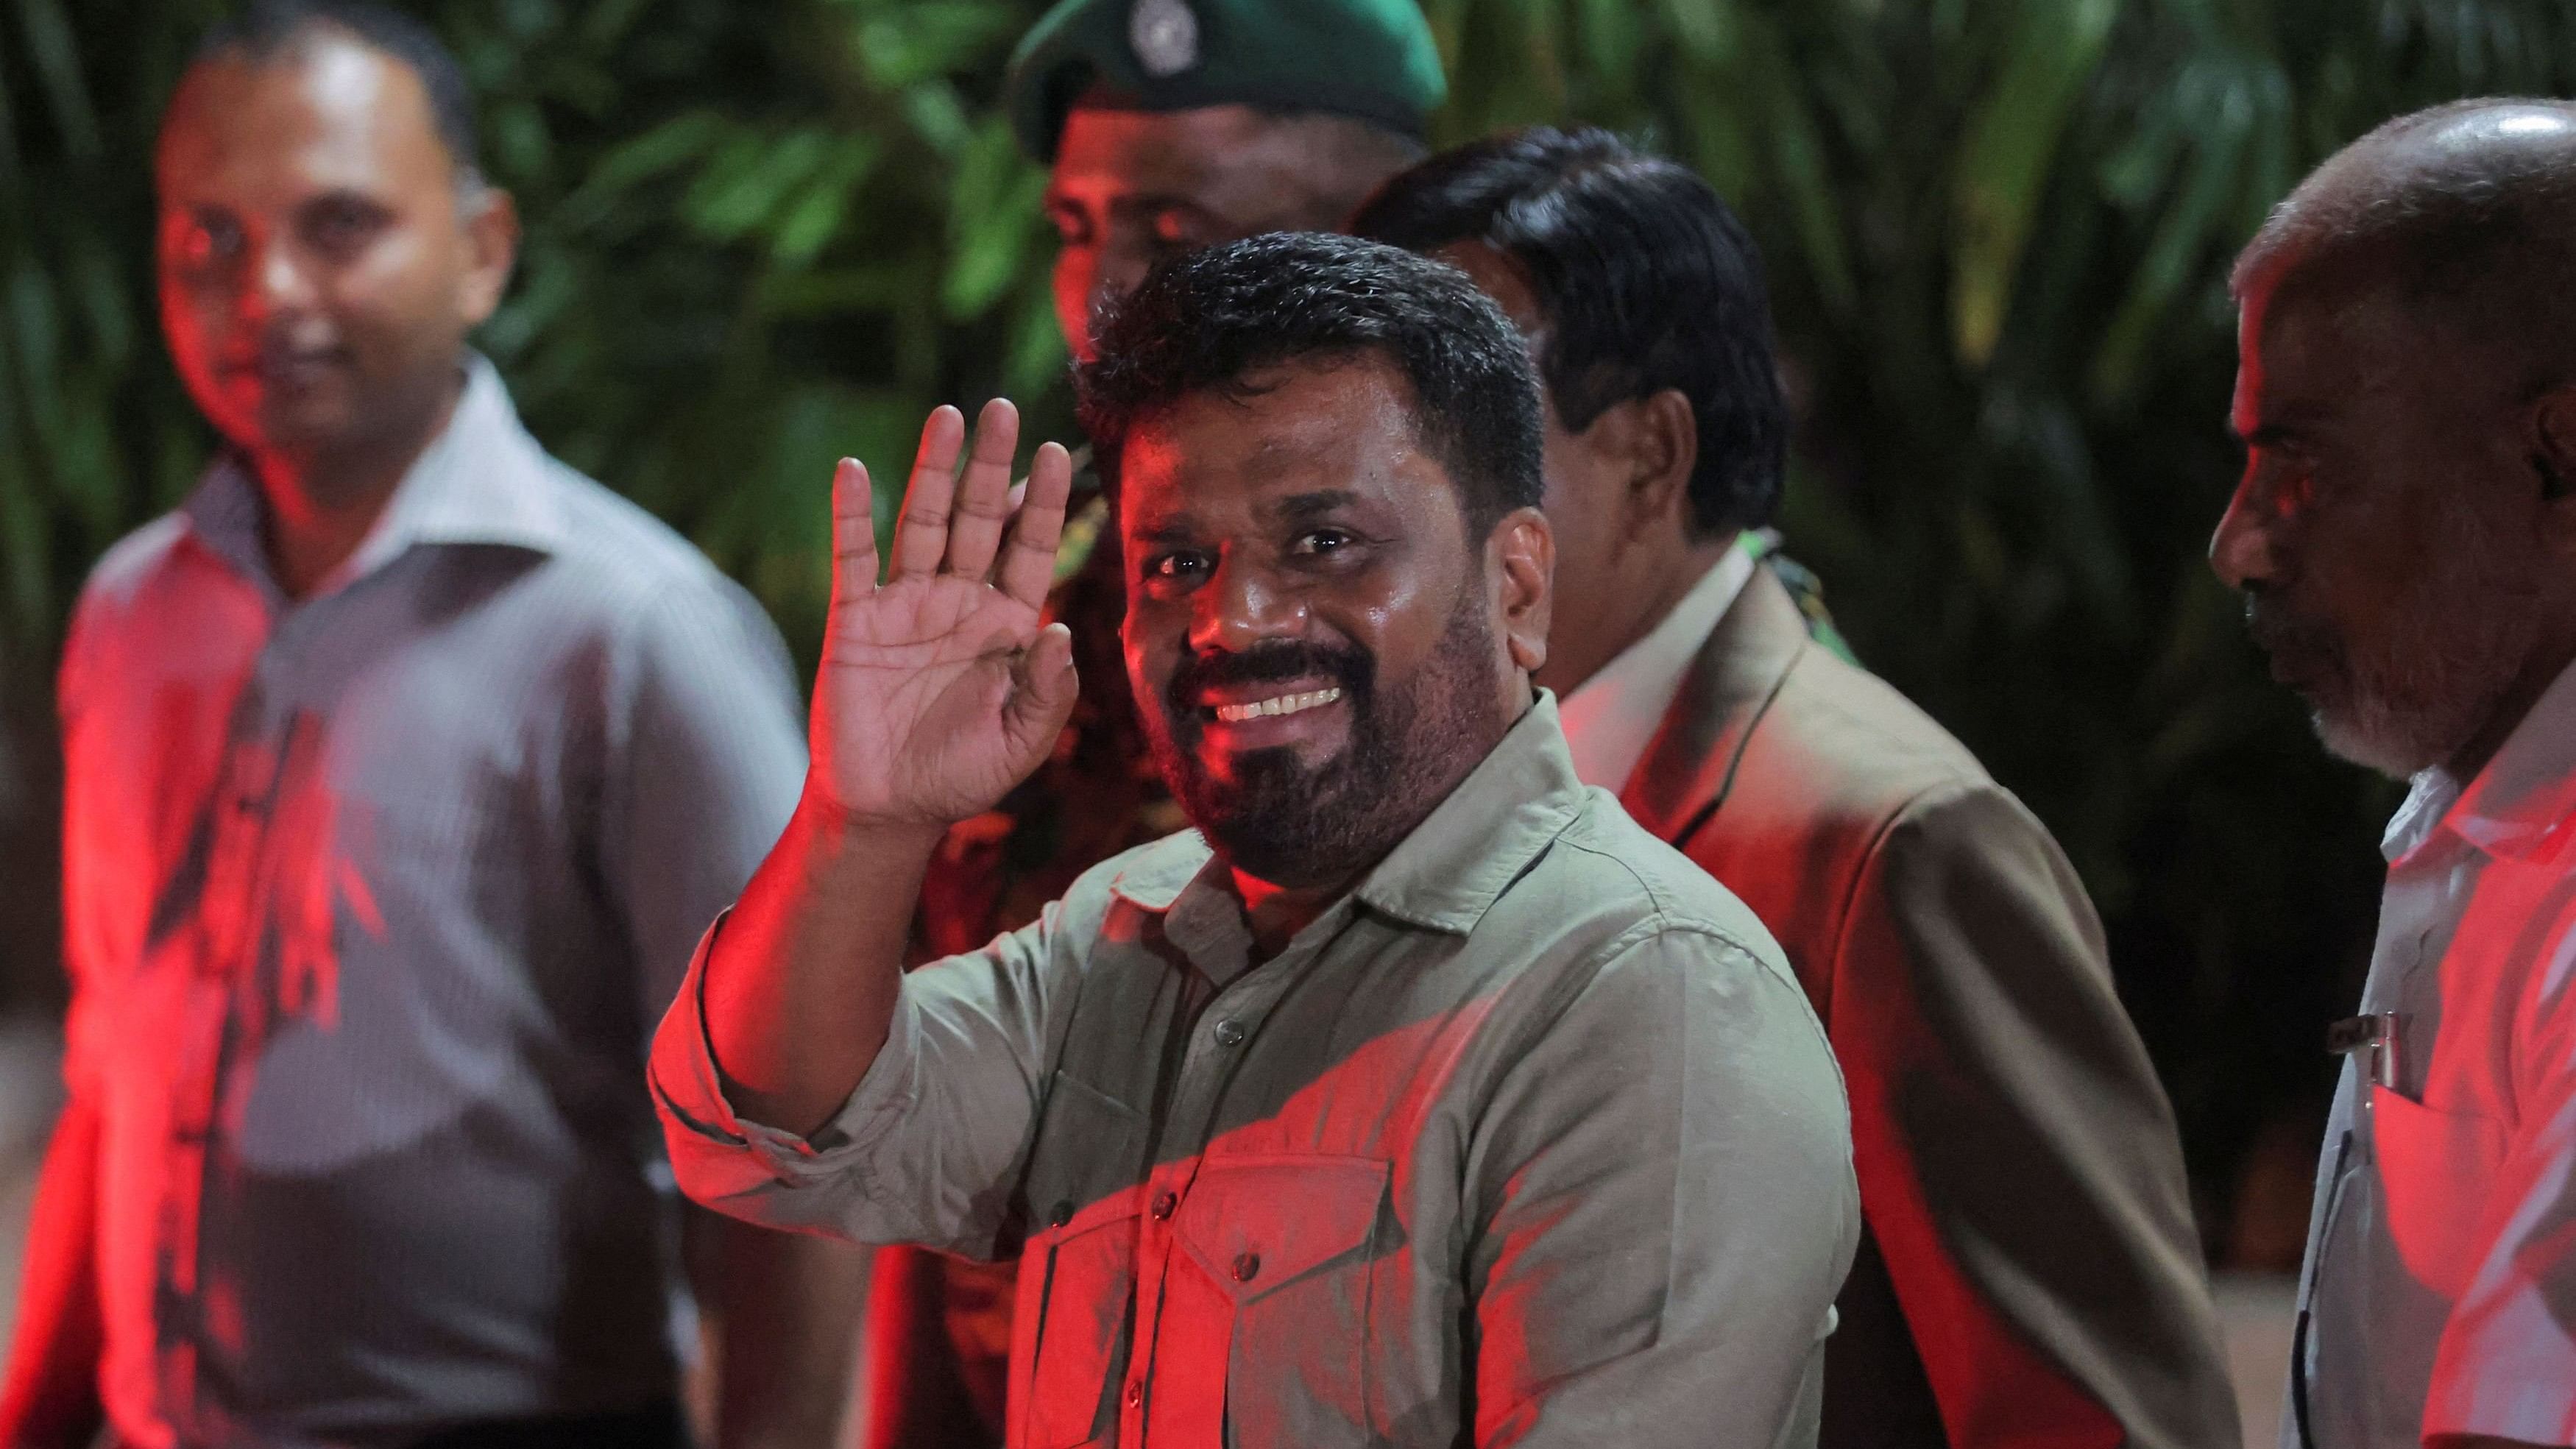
x=2405, y=535
x=1166, y=126
x=2029, y=1272
x=404, y=767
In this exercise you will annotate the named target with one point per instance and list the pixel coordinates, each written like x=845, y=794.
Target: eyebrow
x=1299, y=506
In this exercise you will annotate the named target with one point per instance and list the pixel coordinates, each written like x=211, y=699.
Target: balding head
x=2463, y=215
x=2405, y=532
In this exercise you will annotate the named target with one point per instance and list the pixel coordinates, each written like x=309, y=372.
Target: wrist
x=840, y=830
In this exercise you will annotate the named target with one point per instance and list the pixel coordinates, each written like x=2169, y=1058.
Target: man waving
x=1417, y=1096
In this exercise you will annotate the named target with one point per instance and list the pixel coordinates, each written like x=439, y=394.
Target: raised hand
x=939, y=691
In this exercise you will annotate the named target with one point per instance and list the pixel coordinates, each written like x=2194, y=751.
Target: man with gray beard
x=2406, y=537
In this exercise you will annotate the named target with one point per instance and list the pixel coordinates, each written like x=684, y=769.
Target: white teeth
x=1281, y=704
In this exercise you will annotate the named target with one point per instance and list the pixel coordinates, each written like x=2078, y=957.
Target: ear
x=1655, y=439
x=492, y=250
x=1520, y=556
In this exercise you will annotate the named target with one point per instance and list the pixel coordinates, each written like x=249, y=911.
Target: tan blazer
x=2029, y=1274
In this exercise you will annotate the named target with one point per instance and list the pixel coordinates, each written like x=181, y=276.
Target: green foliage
x=764, y=233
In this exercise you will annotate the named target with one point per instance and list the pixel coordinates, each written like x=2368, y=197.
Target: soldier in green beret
x=1166, y=126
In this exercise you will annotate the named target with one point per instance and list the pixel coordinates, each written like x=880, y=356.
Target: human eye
x=1322, y=542
x=1177, y=569
x=208, y=239
x=1071, y=227
x=339, y=226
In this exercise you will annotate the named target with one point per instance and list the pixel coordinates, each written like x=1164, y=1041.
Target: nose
x=1241, y=607
x=279, y=282
x=2241, y=549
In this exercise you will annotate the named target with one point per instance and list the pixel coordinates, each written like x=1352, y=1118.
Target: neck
x=2556, y=652
x=321, y=502
x=1658, y=590
x=1276, y=913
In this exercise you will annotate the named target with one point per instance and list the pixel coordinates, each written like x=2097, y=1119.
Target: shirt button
x=1246, y=1267
x=1229, y=1032
x=1060, y=1214
x=1135, y=1393
x=1164, y=1203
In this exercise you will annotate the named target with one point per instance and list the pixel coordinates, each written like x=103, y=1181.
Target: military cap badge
x=1165, y=36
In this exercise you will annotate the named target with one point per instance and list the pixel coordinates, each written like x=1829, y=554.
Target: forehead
x=2316, y=347
x=1347, y=427
x=327, y=111
x=1104, y=154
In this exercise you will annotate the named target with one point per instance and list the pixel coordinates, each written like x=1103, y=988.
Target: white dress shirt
x=371, y=897
x=1611, y=717
x=2439, y=1295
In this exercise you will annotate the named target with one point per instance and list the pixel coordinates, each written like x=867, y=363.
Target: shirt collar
x=1450, y=870
x=1611, y=717
x=2521, y=804
x=483, y=480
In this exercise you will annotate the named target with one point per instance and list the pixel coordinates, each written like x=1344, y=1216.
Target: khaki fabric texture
x=1531, y=1139
x=2030, y=1272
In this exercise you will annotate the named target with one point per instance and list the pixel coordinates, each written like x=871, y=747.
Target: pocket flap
x=1261, y=1222
x=2434, y=1172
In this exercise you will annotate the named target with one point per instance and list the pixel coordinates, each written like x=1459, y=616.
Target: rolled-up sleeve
x=1666, y=1209
x=928, y=1146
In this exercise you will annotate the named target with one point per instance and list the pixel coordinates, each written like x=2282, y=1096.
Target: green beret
x=1373, y=59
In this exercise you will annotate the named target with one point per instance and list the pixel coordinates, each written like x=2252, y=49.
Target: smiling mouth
x=1278, y=704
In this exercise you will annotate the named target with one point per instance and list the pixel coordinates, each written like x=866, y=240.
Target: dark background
x=764, y=233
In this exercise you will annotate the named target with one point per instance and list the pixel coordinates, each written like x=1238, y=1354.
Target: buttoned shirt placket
x=1208, y=928
x=2423, y=900
x=222, y=1018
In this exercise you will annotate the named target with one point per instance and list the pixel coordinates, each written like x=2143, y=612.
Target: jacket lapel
x=1690, y=764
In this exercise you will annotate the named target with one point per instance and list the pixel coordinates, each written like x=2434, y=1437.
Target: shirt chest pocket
x=1078, y=1269
x=2435, y=1169
x=1264, y=1335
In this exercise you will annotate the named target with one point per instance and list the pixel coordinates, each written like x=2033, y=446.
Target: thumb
x=1043, y=689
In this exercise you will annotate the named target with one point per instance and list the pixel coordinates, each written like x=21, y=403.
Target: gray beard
x=2465, y=630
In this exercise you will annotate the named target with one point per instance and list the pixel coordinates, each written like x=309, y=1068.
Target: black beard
x=1297, y=825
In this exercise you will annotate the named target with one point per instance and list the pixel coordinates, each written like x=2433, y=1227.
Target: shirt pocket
x=2434, y=1172
x=1270, y=1332
x=1077, y=1269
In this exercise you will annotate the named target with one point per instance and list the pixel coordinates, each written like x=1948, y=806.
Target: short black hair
x=1210, y=320
x=1645, y=278
x=267, y=29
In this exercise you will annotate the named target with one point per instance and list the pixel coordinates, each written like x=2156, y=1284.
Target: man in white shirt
x=2404, y=533
x=2029, y=1271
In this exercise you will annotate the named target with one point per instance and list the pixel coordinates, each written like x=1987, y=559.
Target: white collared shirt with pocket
x=2439, y=1295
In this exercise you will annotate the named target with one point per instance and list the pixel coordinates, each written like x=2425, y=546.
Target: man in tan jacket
x=2029, y=1274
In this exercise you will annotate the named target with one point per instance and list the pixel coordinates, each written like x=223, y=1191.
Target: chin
x=2371, y=745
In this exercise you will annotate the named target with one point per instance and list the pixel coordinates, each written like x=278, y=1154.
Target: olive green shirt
x=1530, y=1139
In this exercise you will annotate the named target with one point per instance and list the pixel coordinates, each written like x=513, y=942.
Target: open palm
x=939, y=689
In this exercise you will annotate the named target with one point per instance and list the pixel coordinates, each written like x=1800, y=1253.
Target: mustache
x=1273, y=661
x=2274, y=626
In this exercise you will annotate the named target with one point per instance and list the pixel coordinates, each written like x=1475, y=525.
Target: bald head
x=2463, y=215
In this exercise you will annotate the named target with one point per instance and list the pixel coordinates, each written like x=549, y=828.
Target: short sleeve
x=709, y=759
x=2506, y=1366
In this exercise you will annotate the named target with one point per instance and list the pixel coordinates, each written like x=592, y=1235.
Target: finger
x=854, y=534
x=983, y=497
x=921, y=533
x=1042, y=695
x=1028, y=565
